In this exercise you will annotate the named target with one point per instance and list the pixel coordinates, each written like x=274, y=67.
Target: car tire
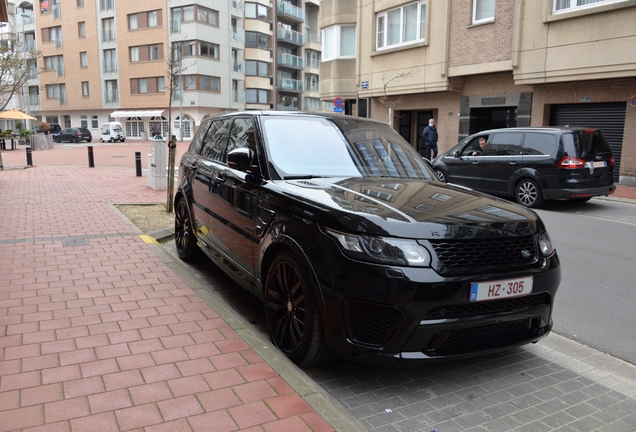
x=528, y=193
x=112, y=140
x=440, y=175
x=184, y=238
x=73, y=140
x=56, y=140
x=294, y=323
x=101, y=140
x=123, y=139
x=89, y=140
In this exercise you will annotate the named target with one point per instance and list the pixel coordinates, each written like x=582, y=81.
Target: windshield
x=318, y=147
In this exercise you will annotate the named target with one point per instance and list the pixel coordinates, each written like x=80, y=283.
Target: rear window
x=583, y=144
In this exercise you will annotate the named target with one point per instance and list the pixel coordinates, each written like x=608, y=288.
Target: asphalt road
x=596, y=302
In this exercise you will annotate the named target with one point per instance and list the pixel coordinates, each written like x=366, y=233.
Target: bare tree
x=175, y=84
x=14, y=68
x=390, y=102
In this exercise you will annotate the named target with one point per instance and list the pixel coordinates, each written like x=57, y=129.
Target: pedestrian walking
x=430, y=137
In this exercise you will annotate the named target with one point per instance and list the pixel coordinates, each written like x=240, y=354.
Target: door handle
x=219, y=178
x=512, y=163
x=475, y=162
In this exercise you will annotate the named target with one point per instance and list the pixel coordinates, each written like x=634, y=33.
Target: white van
x=111, y=132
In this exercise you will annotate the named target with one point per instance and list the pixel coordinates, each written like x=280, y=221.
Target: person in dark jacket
x=430, y=136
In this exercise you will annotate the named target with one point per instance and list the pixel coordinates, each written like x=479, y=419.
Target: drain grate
x=81, y=241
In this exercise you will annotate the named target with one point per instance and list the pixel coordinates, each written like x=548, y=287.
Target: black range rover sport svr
x=355, y=247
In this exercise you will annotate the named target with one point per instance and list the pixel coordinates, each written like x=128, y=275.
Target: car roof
x=265, y=113
x=536, y=129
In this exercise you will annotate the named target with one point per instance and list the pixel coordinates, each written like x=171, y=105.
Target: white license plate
x=506, y=288
x=600, y=164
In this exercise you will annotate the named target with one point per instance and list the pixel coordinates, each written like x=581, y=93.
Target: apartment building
x=110, y=60
x=478, y=64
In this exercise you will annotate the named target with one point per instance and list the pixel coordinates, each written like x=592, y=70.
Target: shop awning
x=137, y=113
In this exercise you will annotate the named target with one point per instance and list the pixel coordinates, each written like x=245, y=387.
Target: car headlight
x=383, y=250
x=545, y=244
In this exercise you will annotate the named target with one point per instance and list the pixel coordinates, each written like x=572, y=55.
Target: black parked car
x=74, y=135
x=532, y=164
x=355, y=247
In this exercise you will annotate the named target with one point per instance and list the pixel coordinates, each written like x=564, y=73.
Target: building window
x=256, y=96
x=52, y=34
x=256, y=11
x=56, y=91
x=400, y=26
x=85, y=91
x=111, y=93
x=110, y=61
x=338, y=42
x=80, y=3
x=144, y=20
x=570, y=5
x=207, y=49
x=146, y=53
x=84, y=59
x=484, y=11
x=256, y=68
x=152, y=85
x=81, y=29
x=189, y=13
x=105, y=5
x=152, y=19
x=132, y=22
x=83, y=121
x=54, y=63
x=95, y=122
x=108, y=30
x=202, y=82
x=256, y=40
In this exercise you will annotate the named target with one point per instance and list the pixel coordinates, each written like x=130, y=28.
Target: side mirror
x=240, y=159
x=456, y=154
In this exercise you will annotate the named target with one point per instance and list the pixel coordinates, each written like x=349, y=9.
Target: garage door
x=609, y=117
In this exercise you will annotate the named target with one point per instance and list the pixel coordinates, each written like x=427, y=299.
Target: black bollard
x=29, y=156
x=91, y=161
x=138, y=163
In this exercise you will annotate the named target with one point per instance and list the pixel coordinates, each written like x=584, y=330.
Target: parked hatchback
x=74, y=135
x=532, y=164
x=355, y=247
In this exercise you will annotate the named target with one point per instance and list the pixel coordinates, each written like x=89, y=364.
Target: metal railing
x=61, y=99
x=313, y=38
x=237, y=66
x=30, y=46
x=290, y=84
x=34, y=100
x=111, y=96
x=108, y=35
x=57, y=11
x=313, y=63
x=312, y=87
x=238, y=35
x=58, y=42
x=175, y=26
x=290, y=36
x=238, y=97
x=60, y=70
x=285, y=59
x=291, y=10
x=237, y=4
x=110, y=66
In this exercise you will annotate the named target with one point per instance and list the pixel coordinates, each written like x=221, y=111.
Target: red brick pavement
x=98, y=333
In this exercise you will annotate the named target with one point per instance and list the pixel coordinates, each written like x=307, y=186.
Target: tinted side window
x=539, y=144
x=505, y=144
x=242, y=136
x=215, y=140
x=197, y=141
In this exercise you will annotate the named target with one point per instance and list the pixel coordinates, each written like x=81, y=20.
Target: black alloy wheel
x=440, y=175
x=73, y=140
x=293, y=320
x=184, y=238
x=528, y=193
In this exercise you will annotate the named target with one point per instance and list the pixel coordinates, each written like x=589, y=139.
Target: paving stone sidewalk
x=98, y=333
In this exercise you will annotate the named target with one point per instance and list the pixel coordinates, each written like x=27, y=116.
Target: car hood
x=407, y=208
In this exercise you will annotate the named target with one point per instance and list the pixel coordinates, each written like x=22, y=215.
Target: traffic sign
x=632, y=101
x=338, y=109
x=338, y=102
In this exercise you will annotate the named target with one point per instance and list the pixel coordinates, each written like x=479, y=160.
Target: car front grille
x=487, y=307
x=475, y=255
x=484, y=338
x=373, y=324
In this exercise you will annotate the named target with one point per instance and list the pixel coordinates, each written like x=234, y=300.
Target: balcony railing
x=237, y=4
x=238, y=35
x=313, y=63
x=238, y=97
x=312, y=87
x=57, y=12
x=111, y=96
x=290, y=84
x=26, y=20
x=312, y=104
x=312, y=38
x=60, y=70
x=108, y=35
x=290, y=60
x=110, y=66
x=237, y=66
x=290, y=36
x=32, y=74
x=30, y=46
x=58, y=42
x=289, y=9
x=34, y=100
x=61, y=99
